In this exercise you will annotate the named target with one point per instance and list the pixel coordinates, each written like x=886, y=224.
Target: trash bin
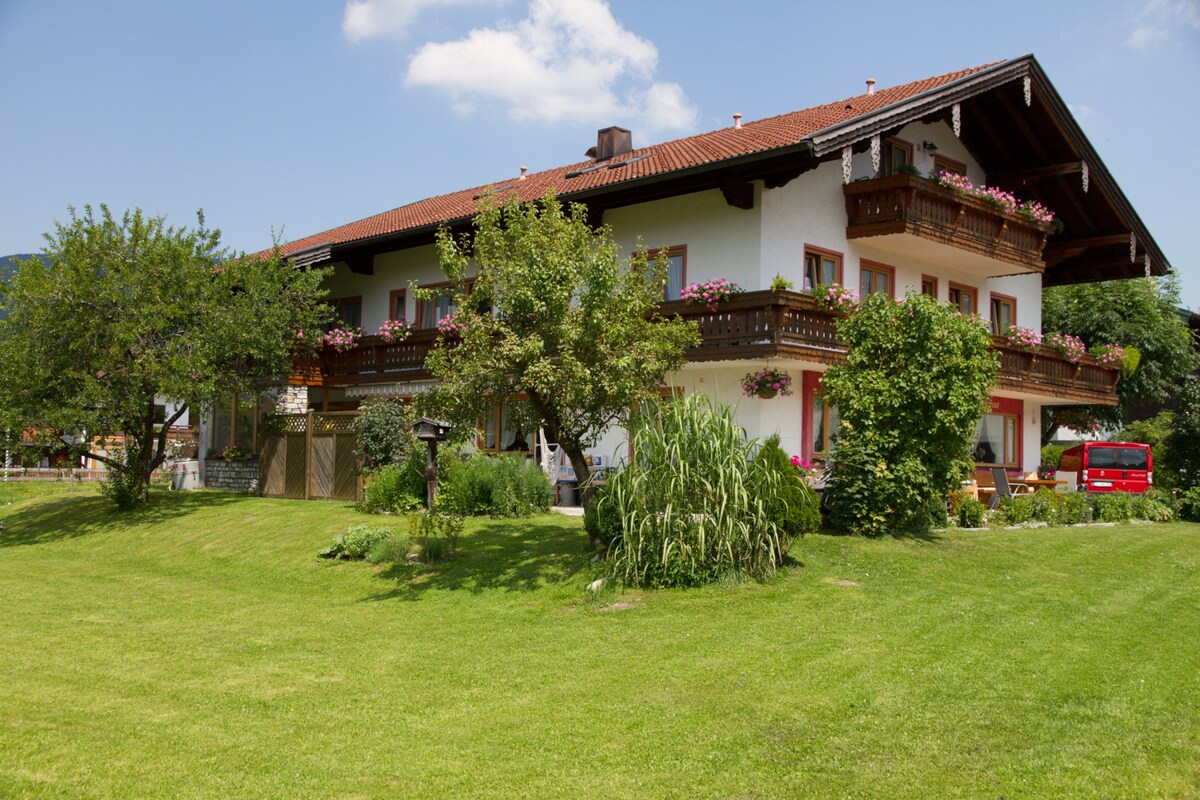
x=185, y=476
x=568, y=493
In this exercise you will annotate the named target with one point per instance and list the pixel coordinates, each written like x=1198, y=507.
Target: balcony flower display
x=1110, y=355
x=343, y=339
x=1079, y=419
x=836, y=298
x=1005, y=201
x=395, y=331
x=1026, y=339
x=766, y=383
x=450, y=325
x=710, y=293
x=1071, y=347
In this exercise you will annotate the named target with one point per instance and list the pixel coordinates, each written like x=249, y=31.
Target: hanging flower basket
x=767, y=383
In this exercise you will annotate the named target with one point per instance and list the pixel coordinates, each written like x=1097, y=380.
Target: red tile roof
x=693, y=151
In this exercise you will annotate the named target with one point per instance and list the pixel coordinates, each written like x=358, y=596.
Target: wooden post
x=308, y=443
x=431, y=475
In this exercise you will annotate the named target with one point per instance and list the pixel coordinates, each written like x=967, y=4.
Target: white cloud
x=367, y=18
x=1156, y=19
x=568, y=61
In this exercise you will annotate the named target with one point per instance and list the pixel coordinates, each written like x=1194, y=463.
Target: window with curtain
x=1004, y=313
x=825, y=427
x=676, y=272
x=996, y=440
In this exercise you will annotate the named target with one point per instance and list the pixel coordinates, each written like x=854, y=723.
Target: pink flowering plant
x=767, y=379
x=1110, y=355
x=343, y=339
x=451, y=325
x=1080, y=419
x=710, y=293
x=1005, y=201
x=809, y=470
x=1072, y=347
x=395, y=331
x=1026, y=339
x=836, y=298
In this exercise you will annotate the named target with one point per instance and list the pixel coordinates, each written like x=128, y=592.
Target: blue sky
x=298, y=116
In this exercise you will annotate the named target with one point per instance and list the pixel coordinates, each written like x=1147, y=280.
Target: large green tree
x=126, y=312
x=550, y=311
x=1140, y=312
x=915, y=381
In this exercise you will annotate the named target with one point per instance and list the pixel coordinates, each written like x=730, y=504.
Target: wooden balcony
x=752, y=325
x=905, y=206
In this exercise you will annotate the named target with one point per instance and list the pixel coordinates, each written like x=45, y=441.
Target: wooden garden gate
x=310, y=456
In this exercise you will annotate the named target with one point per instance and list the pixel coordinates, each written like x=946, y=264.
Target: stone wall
x=235, y=476
x=292, y=400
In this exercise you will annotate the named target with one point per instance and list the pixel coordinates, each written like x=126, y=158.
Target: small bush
x=602, y=520
x=438, y=532
x=497, y=486
x=1113, y=507
x=1076, y=508
x=356, y=542
x=1189, y=505
x=1146, y=507
x=1015, y=511
x=795, y=507
x=1045, y=507
x=395, y=489
x=970, y=513
x=385, y=435
x=1052, y=455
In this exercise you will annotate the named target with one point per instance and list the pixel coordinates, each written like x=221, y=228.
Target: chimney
x=523, y=171
x=737, y=120
x=613, y=142
x=870, y=86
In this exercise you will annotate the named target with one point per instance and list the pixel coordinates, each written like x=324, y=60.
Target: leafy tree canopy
x=1140, y=313
x=549, y=311
x=122, y=312
x=916, y=378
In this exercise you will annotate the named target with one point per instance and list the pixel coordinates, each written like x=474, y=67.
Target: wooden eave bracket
x=1025, y=176
x=739, y=194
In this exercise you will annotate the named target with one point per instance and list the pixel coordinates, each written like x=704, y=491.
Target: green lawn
x=199, y=649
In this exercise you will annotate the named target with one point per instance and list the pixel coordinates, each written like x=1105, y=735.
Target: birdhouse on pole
x=431, y=431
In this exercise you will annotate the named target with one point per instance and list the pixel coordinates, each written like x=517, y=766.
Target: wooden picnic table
x=1036, y=483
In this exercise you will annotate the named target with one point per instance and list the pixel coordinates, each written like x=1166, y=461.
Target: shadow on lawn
x=510, y=555
x=71, y=516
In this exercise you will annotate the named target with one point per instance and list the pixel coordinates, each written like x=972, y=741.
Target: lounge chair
x=1004, y=488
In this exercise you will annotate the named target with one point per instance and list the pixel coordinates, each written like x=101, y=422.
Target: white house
x=835, y=193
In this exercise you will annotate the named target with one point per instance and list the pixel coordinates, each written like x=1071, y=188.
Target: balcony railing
x=752, y=325
x=923, y=208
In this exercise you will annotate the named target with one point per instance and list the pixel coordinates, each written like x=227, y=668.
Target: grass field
x=198, y=649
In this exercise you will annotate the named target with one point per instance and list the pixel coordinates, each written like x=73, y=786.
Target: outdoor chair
x=1004, y=488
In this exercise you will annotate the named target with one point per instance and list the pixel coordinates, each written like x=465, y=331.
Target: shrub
x=970, y=513
x=395, y=489
x=385, y=435
x=1189, y=505
x=693, y=507
x=1154, y=432
x=498, y=486
x=1113, y=507
x=356, y=542
x=438, y=532
x=1076, y=508
x=910, y=364
x=1052, y=455
x=1045, y=507
x=602, y=520
x=1147, y=506
x=795, y=507
x=1015, y=511
x=1182, y=458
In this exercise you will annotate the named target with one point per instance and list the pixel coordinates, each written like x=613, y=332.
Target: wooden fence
x=310, y=456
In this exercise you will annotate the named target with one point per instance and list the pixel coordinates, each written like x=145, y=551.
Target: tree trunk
x=583, y=473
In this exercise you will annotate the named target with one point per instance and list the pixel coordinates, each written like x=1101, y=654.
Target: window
x=821, y=267
x=396, y=305
x=235, y=422
x=347, y=312
x=1004, y=312
x=996, y=441
x=429, y=312
x=964, y=298
x=825, y=427
x=875, y=278
x=943, y=164
x=929, y=286
x=499, y=433
x=676, y=272
x=897, y=154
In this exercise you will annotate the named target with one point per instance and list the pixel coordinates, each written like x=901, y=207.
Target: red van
x=1110, y=466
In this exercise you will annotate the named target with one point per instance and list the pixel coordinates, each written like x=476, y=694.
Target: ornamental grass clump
x=694, y=508
x=710, y=293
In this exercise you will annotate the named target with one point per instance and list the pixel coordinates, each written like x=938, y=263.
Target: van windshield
x=1117, y=458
